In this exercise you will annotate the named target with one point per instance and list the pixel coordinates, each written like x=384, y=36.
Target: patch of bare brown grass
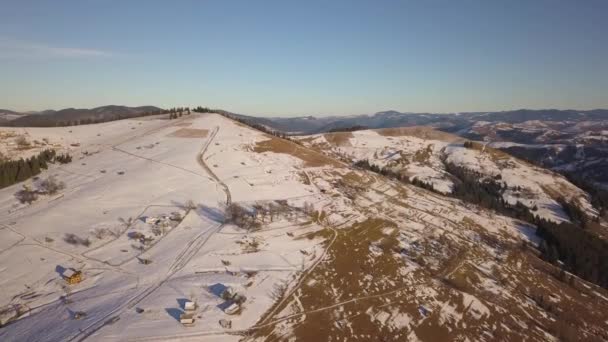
x=190, y=133
x=183, y=124
x=354, y=178
x=309, y=157
x=495, y=154
x=347, y=261
x=339, y=138
x=423, y=156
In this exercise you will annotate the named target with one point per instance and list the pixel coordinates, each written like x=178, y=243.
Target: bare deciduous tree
x=190, y=205
x=100, y=233
x=115, y=231
x=156, y=230
x=22, y=142
x=51, y=185
x=74, y=239
x=26, y=195
x=278, y=291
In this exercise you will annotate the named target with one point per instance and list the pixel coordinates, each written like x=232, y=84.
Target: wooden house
x=186, y=318
x=72, y=276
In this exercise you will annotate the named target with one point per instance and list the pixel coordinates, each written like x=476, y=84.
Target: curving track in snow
x=180, y=262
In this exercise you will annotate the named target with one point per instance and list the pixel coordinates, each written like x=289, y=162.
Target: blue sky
x=305, y=57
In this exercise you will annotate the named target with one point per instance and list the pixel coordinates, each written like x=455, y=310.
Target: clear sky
x=305, y=57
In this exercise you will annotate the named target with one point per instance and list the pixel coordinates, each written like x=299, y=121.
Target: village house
x=72, y=276
x=232, y=309
x=190, y=306
x=186, y=318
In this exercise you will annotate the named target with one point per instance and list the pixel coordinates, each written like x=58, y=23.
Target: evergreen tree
x=4, y=178
x=42, y=159
x=34, y=165
x=24, y=171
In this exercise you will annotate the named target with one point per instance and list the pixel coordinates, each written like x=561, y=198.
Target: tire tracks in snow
x=180, y=262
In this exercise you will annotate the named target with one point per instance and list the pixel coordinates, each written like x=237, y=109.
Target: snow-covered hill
x=330, y=252
x=122, y=173
x=422, y=152
x=571, y=142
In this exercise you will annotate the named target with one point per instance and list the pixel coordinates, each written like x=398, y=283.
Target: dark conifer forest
x=15, y=171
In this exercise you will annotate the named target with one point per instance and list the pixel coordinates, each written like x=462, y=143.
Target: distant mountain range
x=73, y=116
x=459, y=122
x=572, y=142
x=449, y=122
x=7, y=115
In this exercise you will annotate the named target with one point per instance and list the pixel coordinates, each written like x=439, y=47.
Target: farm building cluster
x=148, y=229
x=233, y=302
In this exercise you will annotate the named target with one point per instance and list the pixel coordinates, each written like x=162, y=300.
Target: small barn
x=72, y=276
x=190, y=306
x=232, y=309
x=186, y=318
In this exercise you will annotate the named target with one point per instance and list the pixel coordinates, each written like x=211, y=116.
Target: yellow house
x=72, y=276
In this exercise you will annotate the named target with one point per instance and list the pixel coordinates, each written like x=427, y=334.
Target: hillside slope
x=571, y=142
x=323, y=251
x=422, y=153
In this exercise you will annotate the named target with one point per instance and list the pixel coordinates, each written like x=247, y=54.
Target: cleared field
x=183, y=124
x=190, y=133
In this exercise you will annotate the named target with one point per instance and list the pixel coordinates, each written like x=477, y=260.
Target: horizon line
x=308, y=115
